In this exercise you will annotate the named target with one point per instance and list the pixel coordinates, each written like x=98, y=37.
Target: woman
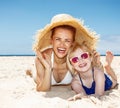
x=52, y=45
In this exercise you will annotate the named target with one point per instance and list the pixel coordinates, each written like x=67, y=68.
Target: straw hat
x=43, y=37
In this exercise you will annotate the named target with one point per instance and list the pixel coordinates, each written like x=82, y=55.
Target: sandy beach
x=17, y=90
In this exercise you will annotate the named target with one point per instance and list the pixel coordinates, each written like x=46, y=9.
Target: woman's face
x=80, y=60
x=62, y=41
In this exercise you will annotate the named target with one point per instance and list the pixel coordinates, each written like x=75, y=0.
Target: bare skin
x=62, y=40
x=109, y=58
x=98, y=75
x=107, y=66
x=96, y=60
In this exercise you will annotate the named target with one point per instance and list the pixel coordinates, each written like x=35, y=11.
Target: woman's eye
x=68, y=41
x=57, y=39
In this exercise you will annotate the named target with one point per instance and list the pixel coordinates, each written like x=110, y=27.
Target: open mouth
x=61, y=50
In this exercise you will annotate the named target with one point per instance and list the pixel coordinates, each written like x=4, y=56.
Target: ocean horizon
x=34, y=55
x=17, y=55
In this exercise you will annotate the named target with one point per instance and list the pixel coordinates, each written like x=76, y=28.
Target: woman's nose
x=62, y=43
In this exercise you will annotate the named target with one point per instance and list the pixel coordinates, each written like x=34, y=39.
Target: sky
x=20, y=20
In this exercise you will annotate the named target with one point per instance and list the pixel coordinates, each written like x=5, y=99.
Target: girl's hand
x=96, y=60
x=75, y=97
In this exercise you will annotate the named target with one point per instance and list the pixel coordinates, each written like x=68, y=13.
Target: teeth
x=63, y=49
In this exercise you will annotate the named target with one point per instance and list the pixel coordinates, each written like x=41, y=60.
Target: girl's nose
x=80, y=60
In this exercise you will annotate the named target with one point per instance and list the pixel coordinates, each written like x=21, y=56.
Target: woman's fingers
x=42, y=59
x=48, y=59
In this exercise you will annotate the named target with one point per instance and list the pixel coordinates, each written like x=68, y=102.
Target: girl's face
x=80, y=60
x=62, y=41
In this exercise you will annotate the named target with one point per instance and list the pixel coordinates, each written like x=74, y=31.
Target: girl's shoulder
x=76, y=77
x=76, y=80
x=98, y=73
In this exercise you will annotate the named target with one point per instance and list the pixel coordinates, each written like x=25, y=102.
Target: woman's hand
x=44, y=59
x=43, y=68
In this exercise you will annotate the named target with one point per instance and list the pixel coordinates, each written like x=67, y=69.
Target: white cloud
x=109, y=43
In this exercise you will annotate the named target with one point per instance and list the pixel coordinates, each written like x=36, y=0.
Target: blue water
x=17, y=55
x=34, y=55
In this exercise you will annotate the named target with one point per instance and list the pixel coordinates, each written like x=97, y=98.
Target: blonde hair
x=82, y=33
x=75, y=46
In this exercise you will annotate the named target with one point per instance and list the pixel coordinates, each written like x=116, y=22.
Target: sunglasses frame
x=84, y=55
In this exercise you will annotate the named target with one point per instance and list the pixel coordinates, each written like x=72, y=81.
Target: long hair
x=75, y=46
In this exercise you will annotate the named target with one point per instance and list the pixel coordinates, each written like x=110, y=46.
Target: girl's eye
x=75, y=59
x=84, y=56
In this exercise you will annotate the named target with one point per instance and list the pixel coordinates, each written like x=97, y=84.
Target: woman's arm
x=43, y=68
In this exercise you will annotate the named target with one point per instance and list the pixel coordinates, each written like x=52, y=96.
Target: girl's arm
x=98, y=74
x=99, y=89
x=99, y=78
x=96, y=60
x=77, y=87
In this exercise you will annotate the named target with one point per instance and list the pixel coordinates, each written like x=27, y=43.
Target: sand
x=17, y=90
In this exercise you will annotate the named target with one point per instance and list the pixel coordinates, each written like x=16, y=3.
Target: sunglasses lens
x=84, y=56
x=75, y=59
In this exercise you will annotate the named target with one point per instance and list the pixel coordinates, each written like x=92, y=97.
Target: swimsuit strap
x=80, y=79
x=92, y=75
x=52, y=59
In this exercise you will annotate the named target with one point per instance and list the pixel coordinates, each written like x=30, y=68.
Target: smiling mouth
x=61, y=50
x=82, y=65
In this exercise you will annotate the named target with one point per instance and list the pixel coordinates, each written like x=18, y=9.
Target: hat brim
x=43, y=37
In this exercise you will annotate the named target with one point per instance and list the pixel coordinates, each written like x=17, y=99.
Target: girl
x=89, y=80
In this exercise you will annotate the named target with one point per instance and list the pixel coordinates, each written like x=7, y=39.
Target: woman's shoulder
x=47, y=51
